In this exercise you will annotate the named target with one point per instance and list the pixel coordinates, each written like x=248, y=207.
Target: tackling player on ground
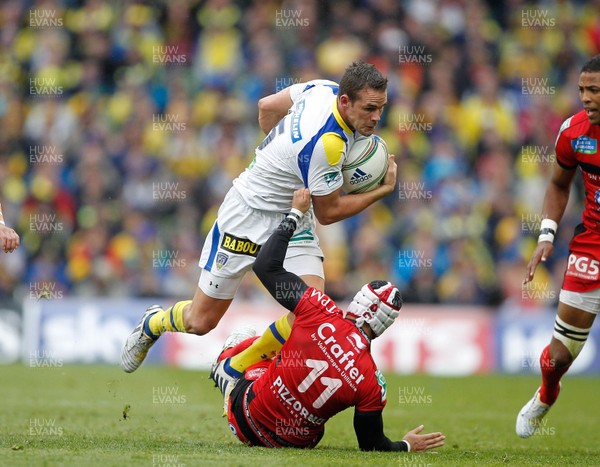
x=579, y=299
x=324, y=367
x=311, y=127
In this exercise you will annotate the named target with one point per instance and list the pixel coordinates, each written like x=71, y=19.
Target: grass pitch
x=98, y=415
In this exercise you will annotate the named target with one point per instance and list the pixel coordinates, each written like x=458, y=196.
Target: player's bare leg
x=571, y=329
x=312, y=280
x=203, y=313
x=197, y=316
x=272, y=339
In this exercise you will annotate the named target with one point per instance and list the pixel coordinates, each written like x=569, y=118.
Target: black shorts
x=236, y=411
x=240, y=425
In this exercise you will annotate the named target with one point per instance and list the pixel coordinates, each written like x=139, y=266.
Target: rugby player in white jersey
x=310, y=128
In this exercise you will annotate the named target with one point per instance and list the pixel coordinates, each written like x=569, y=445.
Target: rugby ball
x=365, y=165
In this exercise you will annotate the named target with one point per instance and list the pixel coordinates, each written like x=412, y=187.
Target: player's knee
x=200, y=319
x=567, y=343
x=200, y=324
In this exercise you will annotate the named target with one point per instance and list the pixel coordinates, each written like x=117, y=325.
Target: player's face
x=589, y=93
x=363, y=113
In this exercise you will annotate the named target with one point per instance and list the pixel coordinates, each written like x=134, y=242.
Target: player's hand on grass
x=420, y=443
x=301, y=200
x=9, y=239
x=541, y=254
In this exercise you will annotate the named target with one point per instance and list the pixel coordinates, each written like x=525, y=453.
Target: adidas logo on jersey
x=359, y=176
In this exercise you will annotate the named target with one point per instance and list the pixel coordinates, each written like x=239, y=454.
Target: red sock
x=236, y=349
x=550, y=377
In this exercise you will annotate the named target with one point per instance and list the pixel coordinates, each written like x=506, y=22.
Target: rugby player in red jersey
x=323, y=368
x=579, y=299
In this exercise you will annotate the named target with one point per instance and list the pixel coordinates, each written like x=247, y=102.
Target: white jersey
x=306, y=148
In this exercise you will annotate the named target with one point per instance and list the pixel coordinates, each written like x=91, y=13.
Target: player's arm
x=269, y=262
x=555, y=203
x=273, y=108
x=368, y=427
x=335, y=207
x=9, y=239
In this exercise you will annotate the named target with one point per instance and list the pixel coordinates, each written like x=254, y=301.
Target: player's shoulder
x=322, y=84
x=334, y=146
x=314, y=298
x=315, y=87
x=574, y=126
x=373, y=388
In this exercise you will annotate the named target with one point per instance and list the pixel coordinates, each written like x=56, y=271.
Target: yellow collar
x=339, y=119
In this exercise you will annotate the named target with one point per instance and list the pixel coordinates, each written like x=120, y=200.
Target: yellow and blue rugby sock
x=266, y=346
x=170, y=320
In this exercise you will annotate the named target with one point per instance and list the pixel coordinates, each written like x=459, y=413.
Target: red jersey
x=577, y=145
x=324, y=367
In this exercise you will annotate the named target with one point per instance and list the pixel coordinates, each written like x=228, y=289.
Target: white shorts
x=235, y=238
x=586, y=301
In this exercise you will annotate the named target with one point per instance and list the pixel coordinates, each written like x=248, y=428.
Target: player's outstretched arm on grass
x=423, y=442
x=555, y=203
x=335, y=207
x=269, y=262
x=369, y=433
x=273, y=108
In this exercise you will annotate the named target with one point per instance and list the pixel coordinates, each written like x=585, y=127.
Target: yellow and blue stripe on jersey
x=333, y=136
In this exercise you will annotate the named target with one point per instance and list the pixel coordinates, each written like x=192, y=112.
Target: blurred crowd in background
x=123, y=124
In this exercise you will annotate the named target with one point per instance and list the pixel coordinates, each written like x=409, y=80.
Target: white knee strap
x=572, y=337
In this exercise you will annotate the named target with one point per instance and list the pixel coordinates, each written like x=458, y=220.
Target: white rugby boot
x=531, y=415
x=138, y=343
x=222, y=379
x=238, y=335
